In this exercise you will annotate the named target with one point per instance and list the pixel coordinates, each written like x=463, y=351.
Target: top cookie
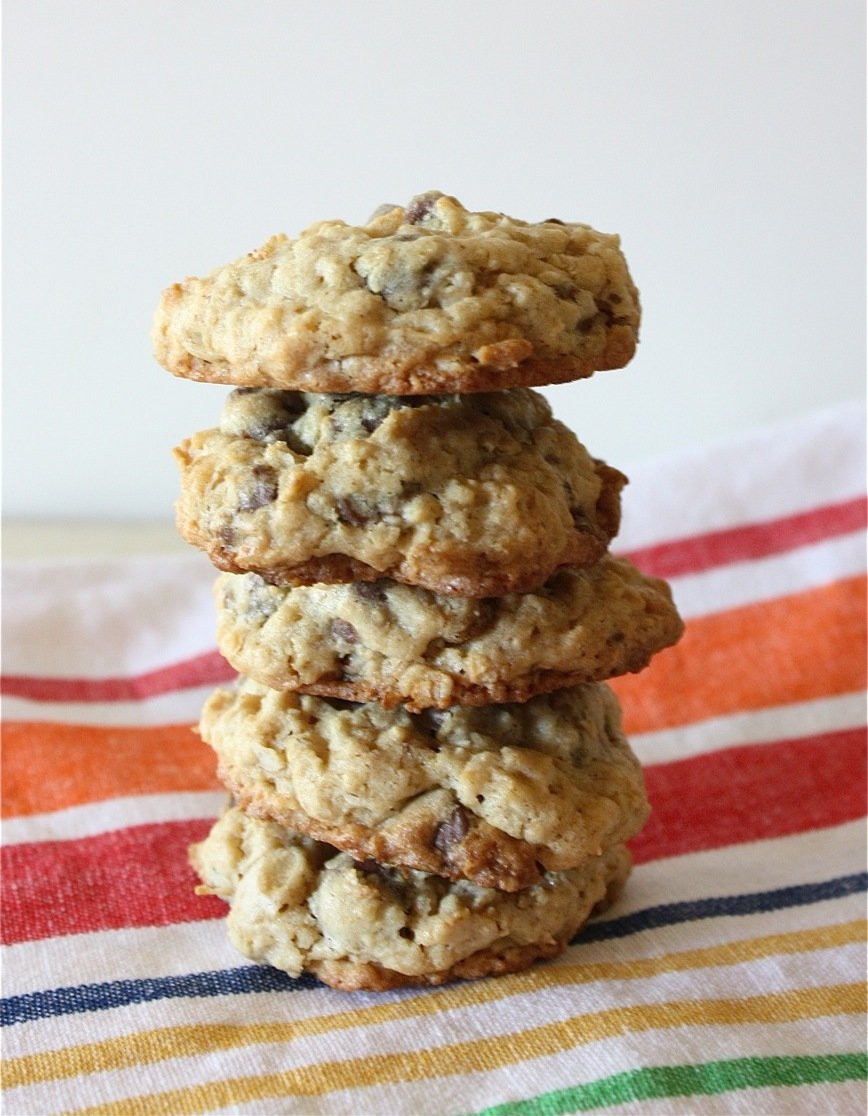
x=427, y=299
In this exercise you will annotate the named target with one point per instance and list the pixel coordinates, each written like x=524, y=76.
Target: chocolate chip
x=450, y=832
x=370, y=591
x=567, y=291
x=262, y=601
x=605, y=308
x=371, y=868
x=339, y=704
x=262, y=491
x=480, y=616
x=553, y=221
x=343, y=629
x=420, y=207
x=261, y=430
x=371, y=421
x=393, y=880
x=352, y=512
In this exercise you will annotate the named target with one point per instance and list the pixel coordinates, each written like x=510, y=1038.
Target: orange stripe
x=53, y=766
x=791, y=649
x=787, y=650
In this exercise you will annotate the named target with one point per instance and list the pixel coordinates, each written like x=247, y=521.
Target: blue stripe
x=754, y=903
x=119, y=993
x=262, y=978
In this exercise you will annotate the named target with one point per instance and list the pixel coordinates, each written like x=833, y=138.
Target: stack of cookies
x=428, y=774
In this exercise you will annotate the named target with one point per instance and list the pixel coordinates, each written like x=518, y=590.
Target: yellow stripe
x=185, y=1041
x=486, y=1054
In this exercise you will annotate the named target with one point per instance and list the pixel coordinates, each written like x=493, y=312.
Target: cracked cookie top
x=475, y=495
x=399, y=644
x=497, y=794
x=430, y=298
x=300, y=905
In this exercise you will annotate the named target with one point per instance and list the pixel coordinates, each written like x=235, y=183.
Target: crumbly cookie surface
x=391, y=643
x=478, y=495
x=495, y=794
x=427, y=298
x=299, y=905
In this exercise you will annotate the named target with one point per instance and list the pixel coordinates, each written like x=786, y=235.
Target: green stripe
x=689, y=1080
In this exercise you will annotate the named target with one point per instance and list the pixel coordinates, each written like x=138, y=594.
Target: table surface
x=35, y=539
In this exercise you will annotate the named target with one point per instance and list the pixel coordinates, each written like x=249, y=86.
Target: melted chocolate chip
x=350, y=511
x=451, y=832
x=262, y=491
x=343, y=629
x=480, y=618
x=371, y=868
x=370, y=591
x=261, y=600
x=420, y=207
x=371, y=421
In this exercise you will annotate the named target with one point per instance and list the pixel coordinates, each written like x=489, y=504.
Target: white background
x=146, y=141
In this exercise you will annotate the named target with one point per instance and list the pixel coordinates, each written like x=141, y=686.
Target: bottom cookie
x=298, y=904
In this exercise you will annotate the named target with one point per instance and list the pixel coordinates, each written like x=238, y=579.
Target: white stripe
x=819, y=854
x=180, y=707
x=711, y=592
x=104, y=817
x=796, y=467
x=190, y=947
x=591, y=1061
x=513, y=1015
x=782, y=722
x=764, y=579
x=560, y=1000
x=769, y=725
x=106, y=619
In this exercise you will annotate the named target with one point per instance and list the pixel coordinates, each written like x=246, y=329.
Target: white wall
x=149, y=140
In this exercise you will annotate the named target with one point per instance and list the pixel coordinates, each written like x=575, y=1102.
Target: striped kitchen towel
x=730, y=976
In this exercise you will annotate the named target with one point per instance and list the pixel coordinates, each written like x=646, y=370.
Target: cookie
x=299, y=905
x=430, y=298
x=477, y=495
x=392, y=643
x=496, y=794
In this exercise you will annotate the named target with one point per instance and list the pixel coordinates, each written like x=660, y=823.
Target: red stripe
x=129, y=877
x=669, y=559
x=754, y=792
x=140, y=876
x=751, y=541
x=203, y=670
